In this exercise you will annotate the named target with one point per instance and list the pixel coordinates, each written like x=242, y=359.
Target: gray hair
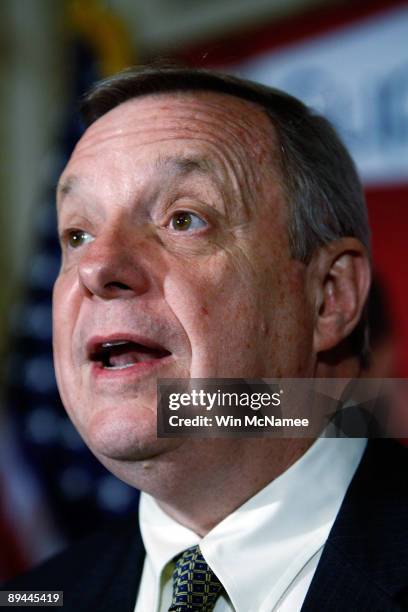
x=320, y=181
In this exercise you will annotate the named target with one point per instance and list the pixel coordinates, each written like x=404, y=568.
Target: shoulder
x=90, y=566
x=366, y=554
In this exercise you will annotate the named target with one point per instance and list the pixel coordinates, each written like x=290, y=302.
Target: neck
x=201, y=481
x=204, y=494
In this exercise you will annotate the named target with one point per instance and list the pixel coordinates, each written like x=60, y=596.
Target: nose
x=114, y=266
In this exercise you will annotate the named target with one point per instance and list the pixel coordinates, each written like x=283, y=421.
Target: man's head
x=202, y=236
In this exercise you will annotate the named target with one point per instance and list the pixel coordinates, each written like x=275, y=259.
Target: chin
x=120, y=434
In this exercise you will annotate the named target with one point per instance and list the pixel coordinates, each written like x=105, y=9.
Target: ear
x=340, y=275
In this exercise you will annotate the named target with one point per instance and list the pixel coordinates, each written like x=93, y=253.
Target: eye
x=76, y=238
x=183, y=221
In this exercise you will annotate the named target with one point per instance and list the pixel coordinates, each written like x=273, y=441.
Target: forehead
x=212, y=121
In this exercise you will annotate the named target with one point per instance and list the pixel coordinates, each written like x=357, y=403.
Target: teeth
x=120, y=367
x=121, y=354
x=107, y=345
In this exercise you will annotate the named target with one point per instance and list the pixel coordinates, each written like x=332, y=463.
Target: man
x=211, y=227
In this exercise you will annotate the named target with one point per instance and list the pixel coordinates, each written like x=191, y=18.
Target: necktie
x=195, y=586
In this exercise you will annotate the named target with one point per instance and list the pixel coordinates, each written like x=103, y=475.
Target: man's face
x=176, y=263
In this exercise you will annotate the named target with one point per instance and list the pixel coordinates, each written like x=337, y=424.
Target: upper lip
x=96, y=344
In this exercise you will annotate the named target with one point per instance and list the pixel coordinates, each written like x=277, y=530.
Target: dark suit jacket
x=363, y=568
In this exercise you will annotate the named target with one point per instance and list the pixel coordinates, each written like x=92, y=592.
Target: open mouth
x=121, y=354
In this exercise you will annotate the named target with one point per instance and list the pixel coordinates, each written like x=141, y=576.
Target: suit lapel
x=364, y=565
x=123, y=574
x=103, y=573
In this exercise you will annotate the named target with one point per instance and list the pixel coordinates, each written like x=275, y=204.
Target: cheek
x=200, y=293
x=190, y=296
x=213, y=301
x=288, y=323
x=66, y=301
x=63, y=299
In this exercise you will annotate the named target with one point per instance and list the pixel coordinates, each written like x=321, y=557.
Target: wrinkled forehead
x=238, y=128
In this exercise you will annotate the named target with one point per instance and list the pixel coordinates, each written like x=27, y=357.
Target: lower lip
x=136, y=370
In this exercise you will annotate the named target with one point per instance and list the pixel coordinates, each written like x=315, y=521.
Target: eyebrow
x=172, y=165
x=181, y=165
x=66, y=186
x=184, y=165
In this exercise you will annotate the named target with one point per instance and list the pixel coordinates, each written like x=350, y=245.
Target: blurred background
x=348, y=60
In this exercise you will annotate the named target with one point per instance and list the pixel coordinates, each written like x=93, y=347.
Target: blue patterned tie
x=195, y=586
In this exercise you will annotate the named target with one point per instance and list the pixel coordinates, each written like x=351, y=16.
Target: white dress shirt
x=266, y=552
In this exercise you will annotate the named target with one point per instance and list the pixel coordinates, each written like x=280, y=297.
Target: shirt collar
x=277, y=531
